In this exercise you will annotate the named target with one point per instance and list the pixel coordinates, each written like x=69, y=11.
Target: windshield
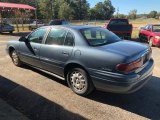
x=156, y=28
x=99, y=36
x=119, y=22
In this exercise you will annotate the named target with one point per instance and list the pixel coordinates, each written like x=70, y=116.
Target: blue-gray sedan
x=87, y=57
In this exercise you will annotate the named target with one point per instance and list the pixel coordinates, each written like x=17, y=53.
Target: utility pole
x=118, y=12
x=36, y=4
x=51, y=3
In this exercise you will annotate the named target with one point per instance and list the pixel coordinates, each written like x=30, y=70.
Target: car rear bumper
x=118, y=83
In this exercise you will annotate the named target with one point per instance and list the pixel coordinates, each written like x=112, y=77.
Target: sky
x=142, y=6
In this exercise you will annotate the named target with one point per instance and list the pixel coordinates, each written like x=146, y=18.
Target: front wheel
x=151, y=42
x=15, y=58
x=140, y=38
x=78, y=80
x=11, y=32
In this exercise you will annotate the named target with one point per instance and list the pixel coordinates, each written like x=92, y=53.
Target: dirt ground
x=42, y=97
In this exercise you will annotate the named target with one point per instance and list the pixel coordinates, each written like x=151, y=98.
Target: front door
x=56, y=50
x=29, y=51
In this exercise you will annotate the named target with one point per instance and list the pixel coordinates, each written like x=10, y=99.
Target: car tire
x=79, y=81
x=15, y=58
x=11, y=32
x=140, y=38
x=151, y=42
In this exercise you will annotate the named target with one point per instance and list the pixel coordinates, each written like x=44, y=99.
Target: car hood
x=125, y=48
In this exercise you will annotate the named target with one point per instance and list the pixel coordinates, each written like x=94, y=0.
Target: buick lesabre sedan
x=87, y=57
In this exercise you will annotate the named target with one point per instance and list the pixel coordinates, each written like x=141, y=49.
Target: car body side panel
x=29, y=53
x=54, y=57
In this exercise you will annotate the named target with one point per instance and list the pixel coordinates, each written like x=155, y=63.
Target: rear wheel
x=78, y=80
x=15, y=58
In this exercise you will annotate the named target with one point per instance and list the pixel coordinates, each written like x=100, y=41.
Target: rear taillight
x=129, y=67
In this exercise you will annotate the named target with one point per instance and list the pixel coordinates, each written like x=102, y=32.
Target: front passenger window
x=38, y=35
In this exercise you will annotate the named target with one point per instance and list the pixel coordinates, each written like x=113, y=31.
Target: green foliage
x=69, y=9
x=45, y=9
x=102, y=10
x=92, y=14
x=152, y=14
x=81, y=9
x=132, y=14
x=120, y=16
x=65, y=11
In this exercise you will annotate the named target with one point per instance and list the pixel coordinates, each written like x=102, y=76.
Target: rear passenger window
x=69, y=41
x=56, y=37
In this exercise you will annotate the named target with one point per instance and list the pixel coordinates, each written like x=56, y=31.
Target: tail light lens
x=129, y=67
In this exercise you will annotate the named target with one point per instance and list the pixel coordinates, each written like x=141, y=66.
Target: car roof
x=77, y=27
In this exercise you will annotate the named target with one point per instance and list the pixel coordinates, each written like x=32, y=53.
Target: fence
x=24, y=23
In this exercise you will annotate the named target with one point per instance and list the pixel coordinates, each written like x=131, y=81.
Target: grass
x=135, y=33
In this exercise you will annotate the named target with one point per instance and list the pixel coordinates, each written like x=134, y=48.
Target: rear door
x=56, y=50
x=29, y=51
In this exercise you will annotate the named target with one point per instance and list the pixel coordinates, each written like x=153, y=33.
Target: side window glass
x=56, y=37
x=69, y=41
x=146, y=27
x=38, y=35
x=150, y=27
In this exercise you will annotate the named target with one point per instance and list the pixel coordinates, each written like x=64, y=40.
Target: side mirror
x=23, y=39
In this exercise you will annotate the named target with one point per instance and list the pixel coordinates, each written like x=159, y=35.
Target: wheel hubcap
x=78, y=81
x=15, y=57
x=150, y=43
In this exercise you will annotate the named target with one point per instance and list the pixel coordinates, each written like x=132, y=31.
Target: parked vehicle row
x=149, y=33
x=38, y=23
x=121, y=27
x=87, y=57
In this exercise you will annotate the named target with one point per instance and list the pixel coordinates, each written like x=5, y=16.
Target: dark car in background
x=59, y=22
x=4, y=27
x=87, y=57
x=151, y=34
x=120, y=27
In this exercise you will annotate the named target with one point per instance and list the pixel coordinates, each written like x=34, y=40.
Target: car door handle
x=35, y=49
x=65, y=53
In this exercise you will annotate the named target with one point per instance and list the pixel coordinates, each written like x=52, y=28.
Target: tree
x=132, y=14
x=103, y=10
x=45, y=8
x=120, y=16
x=158, y=15
x=152, y=14
x=92, y=14
x=80, y=8
x=65, y=11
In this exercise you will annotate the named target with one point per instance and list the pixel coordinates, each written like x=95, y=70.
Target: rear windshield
x=99, y=36
x=156, y=28
x=119, y=22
